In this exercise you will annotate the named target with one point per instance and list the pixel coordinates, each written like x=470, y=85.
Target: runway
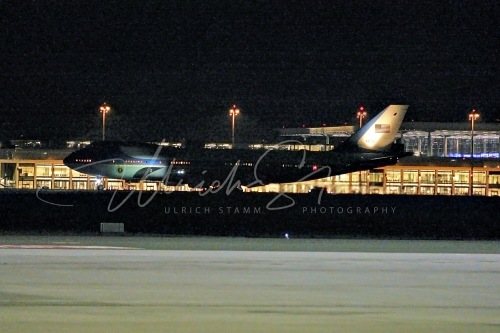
x=127, y=290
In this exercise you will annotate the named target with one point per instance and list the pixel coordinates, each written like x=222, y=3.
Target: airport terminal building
x=441, y=165
x=422, y=138
x=412, y=175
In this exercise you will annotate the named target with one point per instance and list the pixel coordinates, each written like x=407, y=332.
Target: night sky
x=171, y=69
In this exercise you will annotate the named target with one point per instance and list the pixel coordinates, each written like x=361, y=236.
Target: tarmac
x=82, y=284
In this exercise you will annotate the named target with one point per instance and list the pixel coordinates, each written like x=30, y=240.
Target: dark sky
x=172, y=68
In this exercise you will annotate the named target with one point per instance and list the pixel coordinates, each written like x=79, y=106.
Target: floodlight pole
x=104, y=108
x=233, y=112
x=473, y=116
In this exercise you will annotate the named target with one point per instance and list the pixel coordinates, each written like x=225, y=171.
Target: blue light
x=479, y=155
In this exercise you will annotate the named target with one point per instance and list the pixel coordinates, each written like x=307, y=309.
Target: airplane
x=369, y=147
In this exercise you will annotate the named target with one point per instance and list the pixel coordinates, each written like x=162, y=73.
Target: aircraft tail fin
x=379, y=133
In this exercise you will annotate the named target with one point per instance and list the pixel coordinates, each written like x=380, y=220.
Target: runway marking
x=67, y=247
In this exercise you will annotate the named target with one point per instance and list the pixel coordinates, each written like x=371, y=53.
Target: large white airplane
x=371, y=146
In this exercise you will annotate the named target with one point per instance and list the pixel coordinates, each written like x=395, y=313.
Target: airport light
x=473, y=116
x=233, y=112
x=361, y=115
x=104, y=108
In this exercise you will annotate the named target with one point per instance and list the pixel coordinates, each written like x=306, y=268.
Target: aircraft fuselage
x=204, y=167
